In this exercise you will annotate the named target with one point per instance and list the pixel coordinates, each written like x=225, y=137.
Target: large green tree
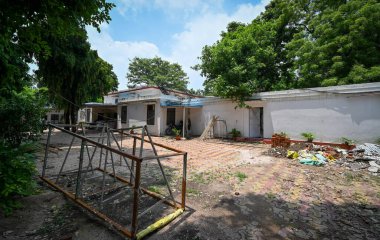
x=295, y=44
x=74, y=73
x=158, y=72
x=23, y=24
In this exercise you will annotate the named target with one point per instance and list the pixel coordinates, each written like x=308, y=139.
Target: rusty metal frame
x=133, y=182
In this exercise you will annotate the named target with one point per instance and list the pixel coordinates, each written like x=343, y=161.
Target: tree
x=343, y=46
x=74, y=73
x=23, y=24
x=295, y=44
x=158, y=72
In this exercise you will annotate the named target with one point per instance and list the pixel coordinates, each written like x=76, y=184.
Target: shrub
x=235, y=133
x=17, y=169
x=177, y=132
x=308, y=135
x=347, y=141
x=21, y=115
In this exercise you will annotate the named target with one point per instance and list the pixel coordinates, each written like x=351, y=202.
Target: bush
x=21, y=115
x=235, y=133
x=17, y=169
x=308, y=135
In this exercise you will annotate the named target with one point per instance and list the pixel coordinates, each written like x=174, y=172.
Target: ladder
x=209, y=127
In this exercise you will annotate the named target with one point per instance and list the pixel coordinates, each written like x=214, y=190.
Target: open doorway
x=256, y=122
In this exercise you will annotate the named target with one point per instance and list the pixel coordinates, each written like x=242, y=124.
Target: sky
x=175, y=30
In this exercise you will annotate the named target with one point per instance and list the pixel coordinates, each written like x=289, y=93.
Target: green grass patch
x=193, y=192
x=241, y=176
x=155, y=189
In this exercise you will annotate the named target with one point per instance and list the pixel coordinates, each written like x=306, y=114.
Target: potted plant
x=177, y=133
x=347, y=143
x=235, y=133
x=280, y=140
x=132, y=130
x=308, y=136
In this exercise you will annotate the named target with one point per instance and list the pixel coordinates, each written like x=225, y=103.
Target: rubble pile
x=364, y=156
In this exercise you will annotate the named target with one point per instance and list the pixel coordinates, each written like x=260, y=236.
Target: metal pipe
x=98, y=144
x=64, y=161
x=183, y=203
x=163, y=156
x=160, y=165
x=46, y=152
x=78, y=189
x=89, y=208
x=136, y=198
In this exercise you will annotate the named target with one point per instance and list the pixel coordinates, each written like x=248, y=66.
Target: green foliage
x=21, y=115
x=295, y=44
x=74, y=73
x=197, y=92
x=235, y=133
x=157, y=72
x=347, y=141
x=176, y=131
x=308, y=136
x=241, y=176
x=17, y=169
x=23, y=24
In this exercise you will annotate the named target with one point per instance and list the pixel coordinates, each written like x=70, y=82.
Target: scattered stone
x=373, y=169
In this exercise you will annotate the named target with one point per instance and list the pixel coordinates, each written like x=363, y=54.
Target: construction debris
x=364, y=156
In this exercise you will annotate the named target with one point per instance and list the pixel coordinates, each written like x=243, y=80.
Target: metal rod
x=159, y=145
x=109, y=144
x=103, y=180
x=46, y=152
x=146, y=191
x=163, y=156
x=136, y=198
x=98, y=144
x=64, y=161
x=125, y=159
x=78, y=190
x=92, y=210
x=101, y=150
x=134, y=154
x=183, y=203
x=160, y=165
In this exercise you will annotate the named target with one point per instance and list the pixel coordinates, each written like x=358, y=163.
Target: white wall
x=329, y=117
x=235, y=118
x=136, y=115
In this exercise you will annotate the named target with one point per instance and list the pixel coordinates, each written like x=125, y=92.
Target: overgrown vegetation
x=308, y=136
x=52, y=35
x=241, y=176
x=295, y=44
x=17, y=169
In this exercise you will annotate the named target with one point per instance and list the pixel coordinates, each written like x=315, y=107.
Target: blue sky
x=175, y=30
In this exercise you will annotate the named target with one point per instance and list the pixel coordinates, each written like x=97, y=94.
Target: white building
x=351, y=111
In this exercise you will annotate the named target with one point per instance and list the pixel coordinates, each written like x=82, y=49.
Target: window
x=124, y=114
x=150, y=114
x=170, y=116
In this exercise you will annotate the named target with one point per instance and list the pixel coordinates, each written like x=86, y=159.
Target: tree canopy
x=158, y=72
x=74, y=73
x=295, y=44
x=23, y=24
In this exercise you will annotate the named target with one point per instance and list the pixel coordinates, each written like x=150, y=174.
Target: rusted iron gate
x=81, y=175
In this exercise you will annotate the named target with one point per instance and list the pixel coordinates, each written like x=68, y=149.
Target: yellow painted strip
x=159, y=224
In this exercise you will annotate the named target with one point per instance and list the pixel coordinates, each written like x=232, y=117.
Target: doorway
x=256, y=129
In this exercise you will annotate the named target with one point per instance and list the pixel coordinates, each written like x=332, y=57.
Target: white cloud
x=205, y=30
x=186, y=46
x=118, y=53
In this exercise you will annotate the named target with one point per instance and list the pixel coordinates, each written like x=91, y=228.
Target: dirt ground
x=235, y=191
